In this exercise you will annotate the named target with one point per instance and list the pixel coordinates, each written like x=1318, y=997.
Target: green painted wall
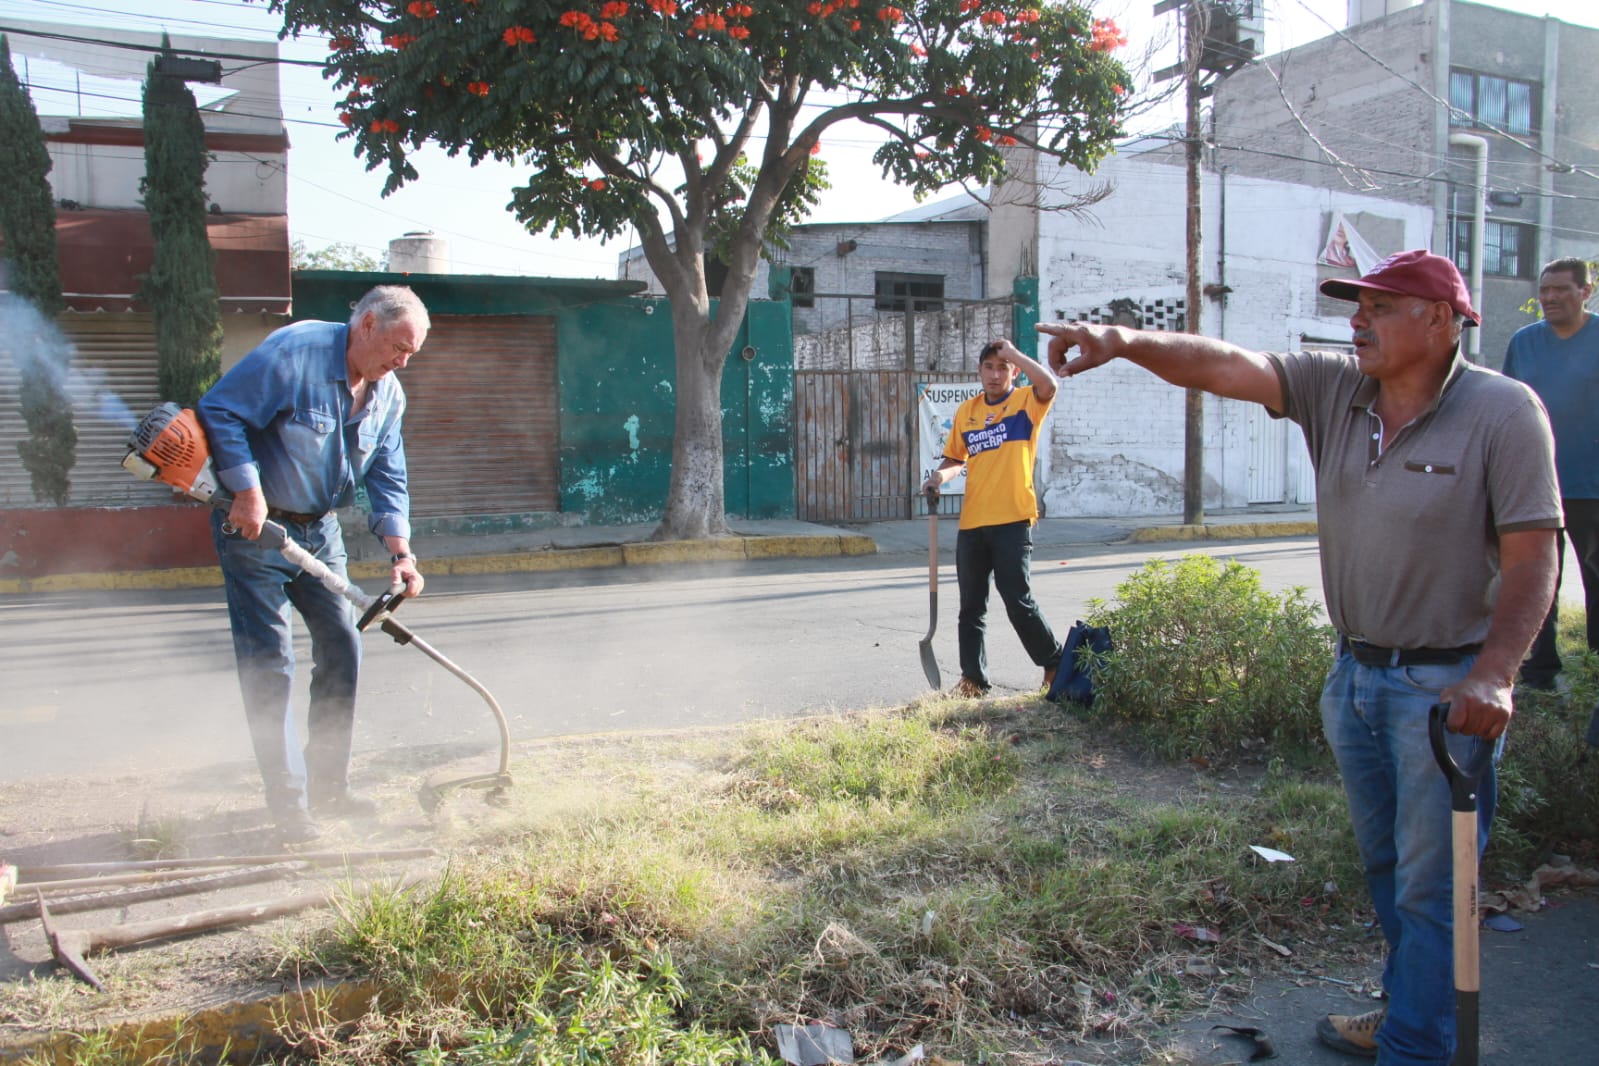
x=618, y=405
x=616, y=375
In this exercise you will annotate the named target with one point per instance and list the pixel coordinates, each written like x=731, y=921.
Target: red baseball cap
x=1416, y=273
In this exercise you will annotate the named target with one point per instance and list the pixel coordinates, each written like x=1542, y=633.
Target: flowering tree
x=696, y=121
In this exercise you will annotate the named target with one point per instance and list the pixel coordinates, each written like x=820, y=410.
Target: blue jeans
x=1006, y=552
x=261, y=586
x=1375, y=719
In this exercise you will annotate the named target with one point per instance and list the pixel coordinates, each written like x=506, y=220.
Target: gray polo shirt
x=1410, y=535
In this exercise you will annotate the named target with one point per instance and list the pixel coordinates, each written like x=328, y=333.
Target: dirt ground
x=217, y=813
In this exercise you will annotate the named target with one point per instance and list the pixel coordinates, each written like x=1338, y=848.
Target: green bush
x=1206, y=661
x=1549, y=777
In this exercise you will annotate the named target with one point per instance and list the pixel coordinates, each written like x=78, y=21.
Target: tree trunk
x=695, y=503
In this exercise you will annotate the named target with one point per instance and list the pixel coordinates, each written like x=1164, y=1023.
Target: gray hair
x=391, y=303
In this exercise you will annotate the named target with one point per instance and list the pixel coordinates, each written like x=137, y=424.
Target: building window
x=1507, y=247
x=1503, y=104
x=915, y=292
x=802, y=286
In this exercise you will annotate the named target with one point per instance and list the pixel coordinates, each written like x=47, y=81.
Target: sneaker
x=297, y=827
x=968, y=689
x=1353, y=1034
x=345, y=804
x=1049, y=676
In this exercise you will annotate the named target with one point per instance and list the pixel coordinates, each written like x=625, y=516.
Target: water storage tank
x=419, y=252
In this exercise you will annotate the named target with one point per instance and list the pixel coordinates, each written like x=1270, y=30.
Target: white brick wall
x=1116, y=434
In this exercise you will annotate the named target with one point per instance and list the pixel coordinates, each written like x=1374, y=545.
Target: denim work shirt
x=280, y=420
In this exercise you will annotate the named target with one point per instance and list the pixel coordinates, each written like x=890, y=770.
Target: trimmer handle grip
x=387, y=601
x=1463, y=780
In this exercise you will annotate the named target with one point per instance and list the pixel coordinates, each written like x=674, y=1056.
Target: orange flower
x=814, y=7
x=1118, y=90
x=663, y=7
x=607, y=31
x=1106, y=36
x=422, y=9
x=515, y=35
x=346, y=118
x=739, y=32
x=968, y=6
x=399, y=41
x=366, y=79
x=984, y=133
x=613, y=9
x=993, y=18
x=890, y=15
x=854, y=25
x=1007, y=140
x=816, y=149
x=918, y=51
x=341, y=44
x=598, y=184
x=478, y=88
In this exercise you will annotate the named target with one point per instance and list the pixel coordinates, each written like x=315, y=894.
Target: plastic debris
x=813, y=1045
x=1271, y=854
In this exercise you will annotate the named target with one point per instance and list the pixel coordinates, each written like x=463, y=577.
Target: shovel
x=1463, y=782
x=929, y=660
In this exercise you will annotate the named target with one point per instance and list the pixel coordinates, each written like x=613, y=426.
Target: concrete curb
x=1222, y=531
x=641, y=553
x=241, y=1030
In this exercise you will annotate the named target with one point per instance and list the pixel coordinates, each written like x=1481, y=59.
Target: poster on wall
x=935, y=414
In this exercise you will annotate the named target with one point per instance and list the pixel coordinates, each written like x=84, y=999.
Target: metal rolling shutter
x=112, y=382
x=481, y=418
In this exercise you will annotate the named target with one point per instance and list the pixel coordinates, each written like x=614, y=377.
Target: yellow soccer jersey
x=997, y=443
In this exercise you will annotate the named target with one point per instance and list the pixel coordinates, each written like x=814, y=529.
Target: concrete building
x=852, y=273
x=1116, y=435
x=88, y=94
x=1487, y=117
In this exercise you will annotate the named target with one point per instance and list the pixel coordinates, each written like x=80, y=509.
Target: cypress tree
x=28, y=226
x=181, y=288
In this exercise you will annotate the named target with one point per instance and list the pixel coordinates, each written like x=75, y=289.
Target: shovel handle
x=1463, y=783
x=1463, y=780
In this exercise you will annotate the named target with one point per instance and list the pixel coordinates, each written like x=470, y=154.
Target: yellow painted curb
x=242, y=1030
x=643, y=553
x=647, y=552
x=856, y=544
x=1223, y=531
x=796, y=546
x=193, y=577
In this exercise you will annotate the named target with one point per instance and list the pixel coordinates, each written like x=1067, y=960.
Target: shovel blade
x=929, y=663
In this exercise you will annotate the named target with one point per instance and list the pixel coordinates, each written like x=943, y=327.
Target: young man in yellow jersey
x=994, y=439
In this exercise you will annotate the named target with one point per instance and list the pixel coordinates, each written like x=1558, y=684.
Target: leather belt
x=295, y=516
x=1373, y=655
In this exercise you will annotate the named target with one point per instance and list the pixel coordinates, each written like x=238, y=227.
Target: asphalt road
x=142, y=682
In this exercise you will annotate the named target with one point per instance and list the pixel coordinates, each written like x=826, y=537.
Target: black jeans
x=1582, y=526
x=1006, y=552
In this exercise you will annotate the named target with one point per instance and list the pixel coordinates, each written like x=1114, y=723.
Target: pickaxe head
x=68, y=947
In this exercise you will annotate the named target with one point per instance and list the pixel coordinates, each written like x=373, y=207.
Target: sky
x=332, y=199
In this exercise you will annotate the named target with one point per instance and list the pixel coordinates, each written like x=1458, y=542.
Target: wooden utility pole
x=1194, y=405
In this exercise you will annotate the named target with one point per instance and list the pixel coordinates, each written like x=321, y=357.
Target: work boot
x=345, y=804
x=968, y=689
x=1353, y=1034
x=296, y=826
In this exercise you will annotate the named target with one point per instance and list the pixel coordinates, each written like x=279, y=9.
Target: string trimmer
x=169, y=446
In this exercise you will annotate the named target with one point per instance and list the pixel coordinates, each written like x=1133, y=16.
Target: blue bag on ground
x=1073, y=682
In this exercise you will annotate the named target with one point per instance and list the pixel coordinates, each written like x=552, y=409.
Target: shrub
x=1207, y=661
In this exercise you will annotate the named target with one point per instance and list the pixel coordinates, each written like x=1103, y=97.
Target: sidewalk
x=587, y=547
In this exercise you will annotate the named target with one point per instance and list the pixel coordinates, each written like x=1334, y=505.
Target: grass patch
x=971, y=877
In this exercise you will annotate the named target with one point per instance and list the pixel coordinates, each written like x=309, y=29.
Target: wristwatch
x=399, y=557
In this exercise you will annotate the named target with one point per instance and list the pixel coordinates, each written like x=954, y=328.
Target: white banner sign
x=935, y=414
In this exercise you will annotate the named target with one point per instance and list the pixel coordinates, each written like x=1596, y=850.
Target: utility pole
x=1217, y=48
x=1194, y=401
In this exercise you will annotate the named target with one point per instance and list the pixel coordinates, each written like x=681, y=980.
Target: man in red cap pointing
x=1437, y=509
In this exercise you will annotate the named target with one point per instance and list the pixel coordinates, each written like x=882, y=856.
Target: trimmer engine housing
x=169, y=446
